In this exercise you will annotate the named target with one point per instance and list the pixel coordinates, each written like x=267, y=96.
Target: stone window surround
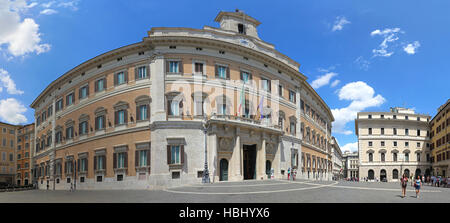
x=143, y=100
x=81, y=119
x=176, y=141
x=126, y=79
x=194, y=61
x=180, y=65
x=121, y=149
x=139, y=147
x=136, y=71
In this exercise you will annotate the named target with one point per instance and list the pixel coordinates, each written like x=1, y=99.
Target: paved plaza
x=252, y=191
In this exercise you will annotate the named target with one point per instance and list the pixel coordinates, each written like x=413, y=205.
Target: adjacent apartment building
x=25, y=143
x=393, y=143
x=440, y=141
x=338, y=160
x=153, y=114
x=350, y=162
x=7, y=153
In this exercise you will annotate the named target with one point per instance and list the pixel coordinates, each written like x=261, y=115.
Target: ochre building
x=440, y=141
x=153, y=114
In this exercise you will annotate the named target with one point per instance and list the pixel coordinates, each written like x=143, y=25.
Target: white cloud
x=411, y=48
x=335, y=82
x=73, y=5
x=362, y=96
x=339, y=23
x=48, y=4
x=323, y=80
x=390, y=36
x=352, y=147
x=20, y=36
x=8, y=83
x=48, y=11
x=11, y=111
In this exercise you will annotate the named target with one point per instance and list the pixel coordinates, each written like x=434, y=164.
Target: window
x=121, y=78
x=418, y=132
x=265, y=84
x=120, y=160
x=120, y=117
x=198, y=68
x=383, y=157
x=84, y=92
x=82, y=165
x=280, y=90
x=246, y=77
x=406, y=157
x=174, y=66
x=100, y=162
x=241, y=28
x=100, y=85
x=382, y=143
x=143, y=158
x=59, y=105
x=395, y=131
x=382, y=116
x=292, y=96
x=141, y=72
x=143, y=112
x=70, y=99
x=83, y=128
x=292, y=128
x=175, y=154
x=370, y=143
x=382, y=131
x=120, y=177
x=58, y=136
x=69, y=132
x=406, y=144
x=50, y=110
x=222, y=72
x=370, y=157
x=395, y=143
x=18, y=147
x=394, y=116
x=418, y=118
x=406, y=117
x=418, y=144
x=100, y=122
x=174, y=109
x=99, y=178
x=370, y=131
x=370, y=116
x=406, y=131
x=418, y=157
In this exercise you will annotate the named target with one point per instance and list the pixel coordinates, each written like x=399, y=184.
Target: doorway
x=223, y=170
x=268, y=169
x=249, y=152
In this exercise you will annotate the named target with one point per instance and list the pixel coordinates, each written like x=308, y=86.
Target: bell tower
x=238, y=22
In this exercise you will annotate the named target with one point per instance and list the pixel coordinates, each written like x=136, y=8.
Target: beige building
x=440, y=141
x=350, y=162
x=150, y=114
x=7, y=153
x=392, y=143
x=25, y=144
x=337, y=158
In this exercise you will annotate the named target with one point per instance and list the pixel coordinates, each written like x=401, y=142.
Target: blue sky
x=359, y=55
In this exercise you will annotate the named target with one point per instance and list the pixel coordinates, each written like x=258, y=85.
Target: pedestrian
x=71, y=187
x=289, y=172
x=417, y=185
x=423, y=179
x=404, y=183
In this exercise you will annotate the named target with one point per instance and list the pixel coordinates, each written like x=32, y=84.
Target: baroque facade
x=392, y=143
x=440, y=141
x=148, y=115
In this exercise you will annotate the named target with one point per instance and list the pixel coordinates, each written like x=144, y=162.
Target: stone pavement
x=252, y=191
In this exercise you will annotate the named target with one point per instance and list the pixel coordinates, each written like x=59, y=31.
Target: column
x=157, y=90
x=212, y=156
x=261, y=159
x=276, y=164
x=235, y=161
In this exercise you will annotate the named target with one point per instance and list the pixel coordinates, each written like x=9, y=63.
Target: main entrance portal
x=249, y=152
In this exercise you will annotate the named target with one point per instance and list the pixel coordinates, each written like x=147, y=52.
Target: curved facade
x=147, y=115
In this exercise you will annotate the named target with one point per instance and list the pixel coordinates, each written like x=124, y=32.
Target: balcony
x=264, y=124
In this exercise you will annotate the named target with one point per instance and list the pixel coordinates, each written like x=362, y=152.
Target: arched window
x=406, y=172
x=199, y=99
x=371, y=175
x=395, y=174
x=175, y=104
x=383, y=157
x=382, y=174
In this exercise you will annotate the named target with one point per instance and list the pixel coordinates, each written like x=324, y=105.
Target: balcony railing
x=263, y=122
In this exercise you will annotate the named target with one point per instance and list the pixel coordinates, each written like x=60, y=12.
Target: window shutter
x=217, y=70
x=136, y=72
x=87, y=90
x=242, y=77
x=78, y=165
x=148, y=157
x=65, y=167
x=73, y=97
x=79, y=129
x=126, y=76
x=180, y=65
x=79, y=92
x=104, y=121
x=116, y=117
x=115, y=79
x=125, y=116
x=228, y=73
x=71, y=166
x=136, y=158
x=296, y=160
x=167, y=66
x=95, y=162
x=126, y=160
x=96, y=86
x=168, y=155
x=115, y=160
x=86, y=164
x=148, y=111
x=104, y=83
x=148, y=71
x=182, y=154
x=250, y=77
x=104, y=162
x=96, y=123
x=138, y=112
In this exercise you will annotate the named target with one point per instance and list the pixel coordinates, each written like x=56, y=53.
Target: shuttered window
x=100, y=85
x=175, y=154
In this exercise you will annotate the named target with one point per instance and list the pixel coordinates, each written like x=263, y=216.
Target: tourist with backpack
x=404, y=183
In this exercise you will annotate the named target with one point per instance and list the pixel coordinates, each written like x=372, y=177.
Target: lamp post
x=205, y=177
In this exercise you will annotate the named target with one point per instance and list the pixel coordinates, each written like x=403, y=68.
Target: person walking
x=289, y=172
x=404, y=183
x=417, y=184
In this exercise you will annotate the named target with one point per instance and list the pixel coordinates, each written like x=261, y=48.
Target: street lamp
x=205, y=177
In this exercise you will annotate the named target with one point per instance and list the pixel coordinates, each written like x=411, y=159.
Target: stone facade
x=440, y=141
x=213, y=93
x=392, y=143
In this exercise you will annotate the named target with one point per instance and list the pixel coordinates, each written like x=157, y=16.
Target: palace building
x=440, y=141
x=155, y=113
x=393, y=143
x=7, y=153
x=25, y=144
